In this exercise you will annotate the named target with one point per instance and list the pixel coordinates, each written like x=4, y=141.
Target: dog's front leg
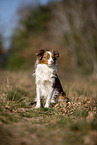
x=48, y=98
x=38, y=96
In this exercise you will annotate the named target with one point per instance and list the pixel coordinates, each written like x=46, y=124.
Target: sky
x=9, y=18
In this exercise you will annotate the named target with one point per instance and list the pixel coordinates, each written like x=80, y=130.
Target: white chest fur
x=44, y=79
x=44, y=73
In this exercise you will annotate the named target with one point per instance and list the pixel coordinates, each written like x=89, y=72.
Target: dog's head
x=47, y=57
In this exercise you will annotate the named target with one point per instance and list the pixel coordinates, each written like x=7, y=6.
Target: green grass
x=75, y=122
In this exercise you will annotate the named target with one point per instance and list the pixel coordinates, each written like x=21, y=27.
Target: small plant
x=14, y=96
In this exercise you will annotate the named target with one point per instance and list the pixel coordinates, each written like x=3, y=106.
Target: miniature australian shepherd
x=48, y=85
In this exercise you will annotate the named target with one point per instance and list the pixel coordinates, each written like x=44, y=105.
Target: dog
x=47, y=81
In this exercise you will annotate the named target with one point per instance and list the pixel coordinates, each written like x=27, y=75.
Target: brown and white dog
x=47, y=82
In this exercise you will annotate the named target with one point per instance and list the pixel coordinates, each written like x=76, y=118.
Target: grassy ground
x=72, y=123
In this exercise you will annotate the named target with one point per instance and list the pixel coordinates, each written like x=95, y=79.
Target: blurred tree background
x=3, y=54
x=70, y=26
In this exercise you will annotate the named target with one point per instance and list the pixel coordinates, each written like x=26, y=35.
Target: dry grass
x=21, y=124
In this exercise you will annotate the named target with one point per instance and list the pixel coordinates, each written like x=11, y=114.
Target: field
x=72, y=123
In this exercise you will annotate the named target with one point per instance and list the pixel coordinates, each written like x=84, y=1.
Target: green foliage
x=15, y=62
x=34, y=24
x=69, y=27
x=13, y=96
x=37, y=20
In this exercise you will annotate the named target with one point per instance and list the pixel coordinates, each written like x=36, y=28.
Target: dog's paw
x=53, y=101
x=46, y=106
x=37, y=106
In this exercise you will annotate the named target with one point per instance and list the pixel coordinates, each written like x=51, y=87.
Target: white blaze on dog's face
x=51, y=58
x=47, y=57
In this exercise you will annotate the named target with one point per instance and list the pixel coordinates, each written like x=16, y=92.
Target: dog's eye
x=53, y=57
x=46, y=57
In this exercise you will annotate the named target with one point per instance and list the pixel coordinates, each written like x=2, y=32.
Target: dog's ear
x=55, y=53
x=40, y=53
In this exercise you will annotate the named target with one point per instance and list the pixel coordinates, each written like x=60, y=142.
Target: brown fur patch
x=57, y=85
x=45, y=58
